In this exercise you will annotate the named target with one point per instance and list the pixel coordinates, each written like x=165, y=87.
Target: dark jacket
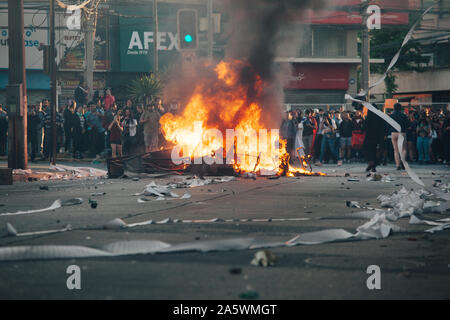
x=374, y=129
x=401, y=119
x=33, y=123
x=287, y=129
x=80, y=96
x=346, y=128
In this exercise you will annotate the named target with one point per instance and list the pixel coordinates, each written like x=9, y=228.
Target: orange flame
x=215, y=107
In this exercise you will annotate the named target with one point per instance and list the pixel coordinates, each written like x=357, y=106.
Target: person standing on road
x=78, y=131
x=95, y=121
x=68, y=125
x=328, y=129
x=402, y=120
x=287, y=132
x=308, y=132
x=150, y=122
x=373, y=140
x=411, y=136
x=423, y=141
x=319, y=136
x=81, y=94
x=345, y=133
x=446, y=138
x=115, y=133
x=129, y=124
x=3, y=130
x=299, y=135
x=33, y=122
x=109, y=99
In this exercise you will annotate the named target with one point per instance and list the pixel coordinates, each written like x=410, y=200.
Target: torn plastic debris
x=98, y=194
x=387, y=178
x=319, y=237
x=439, y=228
x=378, y=227
x=55, y=205
x=353, y=204
x=374, y=177
x=250, y=175
x=11, y=231
x=192, y=182
x=416, y=220
x=407, y=203
x=264, y=258
x=72, y=202
x=119, y=223
x=80, y=172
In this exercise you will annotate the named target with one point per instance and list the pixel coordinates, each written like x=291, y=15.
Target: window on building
x=442, y=56
x=324, y=43
x=329, y=43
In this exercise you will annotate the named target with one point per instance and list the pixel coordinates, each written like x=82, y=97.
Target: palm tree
x=145, y=88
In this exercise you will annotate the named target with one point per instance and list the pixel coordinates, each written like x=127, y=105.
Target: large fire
x=203, y=128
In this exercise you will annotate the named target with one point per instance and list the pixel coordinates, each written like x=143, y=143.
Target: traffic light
x=187, y=29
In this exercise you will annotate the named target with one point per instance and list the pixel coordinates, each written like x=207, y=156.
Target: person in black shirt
x=3, y=130
x=402, y=120
x=33, y=123
x=287, y=132
x=81, y=94
x=78, y=131
x=345, y=132
x=68, y=126
x=411, y=136
x=308, y=132
x=446, y=138
x=373, y=140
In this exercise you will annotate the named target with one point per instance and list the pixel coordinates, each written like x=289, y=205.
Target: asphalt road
x=413, y=264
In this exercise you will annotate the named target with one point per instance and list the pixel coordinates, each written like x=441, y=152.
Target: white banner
x=35, y=23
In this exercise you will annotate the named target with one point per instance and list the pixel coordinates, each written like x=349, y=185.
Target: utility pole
x=17, y=101
x=365, y=51
x=53, y=80
x=89, y=38
x=155, y=38
x=210, y=28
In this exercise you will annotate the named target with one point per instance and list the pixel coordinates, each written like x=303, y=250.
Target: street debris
x=353, y=204
x=235, y=271
x=400, y=204
x=115, y=224
x=165, y=192
x=93, y=203
x=59, y=172
x=72, y=202
x=250, y=175
x=264, y=258
x=98, y=194
x=250, y=294
x=11, y=231
x=55, y=205
x=374, y=177
x=378, y=227
x=387, y=178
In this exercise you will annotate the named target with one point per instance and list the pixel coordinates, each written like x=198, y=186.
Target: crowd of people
x=101, y=127
x=95, y=128
x=350, y=136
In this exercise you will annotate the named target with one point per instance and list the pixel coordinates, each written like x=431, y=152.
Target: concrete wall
x=411, y=81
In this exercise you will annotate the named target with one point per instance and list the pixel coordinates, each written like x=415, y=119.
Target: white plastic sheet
x=55, y=205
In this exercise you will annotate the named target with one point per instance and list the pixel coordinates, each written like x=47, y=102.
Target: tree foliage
x=385, y=43
x=145, y=88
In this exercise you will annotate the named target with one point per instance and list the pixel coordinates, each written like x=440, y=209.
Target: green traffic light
x=188, y=38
